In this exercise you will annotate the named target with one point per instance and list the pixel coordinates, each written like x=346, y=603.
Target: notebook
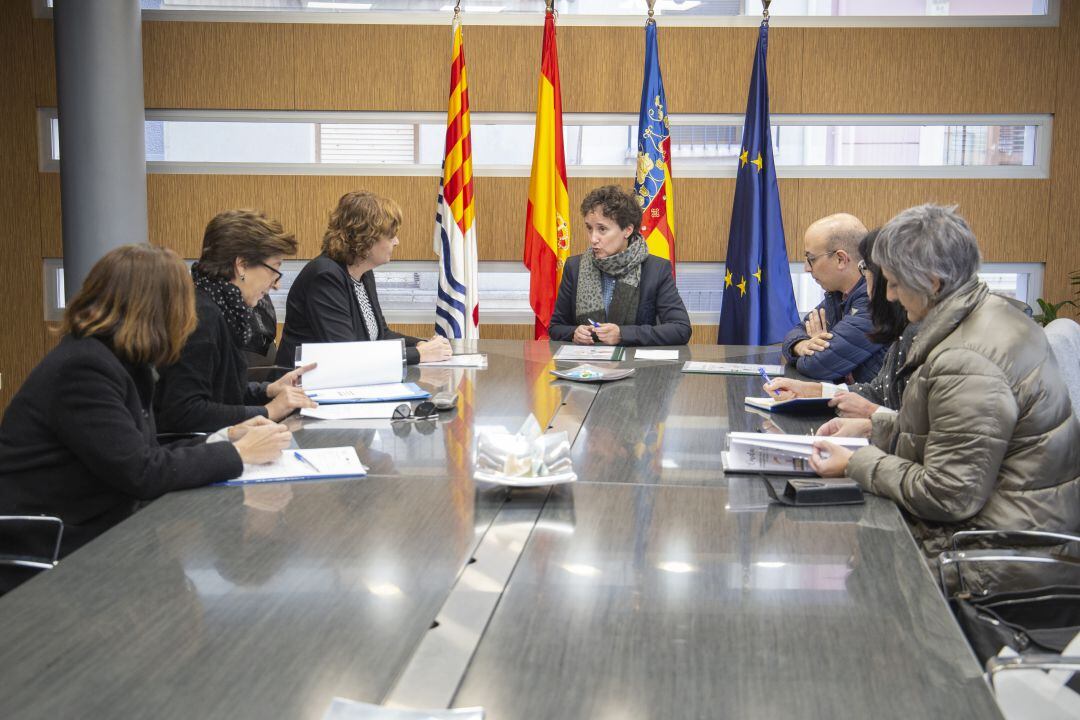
x=793, y=405
x=304, y=464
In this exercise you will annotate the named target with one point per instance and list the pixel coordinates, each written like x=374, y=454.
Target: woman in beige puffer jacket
x=985, y=437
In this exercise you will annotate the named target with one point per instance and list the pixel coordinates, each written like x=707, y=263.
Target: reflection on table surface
x=655, y=587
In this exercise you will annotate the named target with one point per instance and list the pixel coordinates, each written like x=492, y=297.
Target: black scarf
x=229, y=299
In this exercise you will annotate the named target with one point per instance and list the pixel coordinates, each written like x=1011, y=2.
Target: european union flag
x=759, y=305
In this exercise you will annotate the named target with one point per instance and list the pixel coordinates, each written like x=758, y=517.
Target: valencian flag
x=457, y=307
x=547, y=233
x=653, y=184
x=759, y=305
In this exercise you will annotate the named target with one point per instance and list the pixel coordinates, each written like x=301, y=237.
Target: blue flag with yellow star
x=758, y=305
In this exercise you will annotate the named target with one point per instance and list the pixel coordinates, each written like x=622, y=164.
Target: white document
x=465, y=361
x=369, y=393
x=722, y=368
x=303, y=464
x=646, y=354
x=589, y=352
x=758, y=452
x=342, y=709
x=352, y=411
x=347, y=364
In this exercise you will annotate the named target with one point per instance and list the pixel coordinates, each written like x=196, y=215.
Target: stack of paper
x=784, y=454
x=357, y=372
x=305, y=464
x=724, y=368
x=589, y=352
x=462, y=361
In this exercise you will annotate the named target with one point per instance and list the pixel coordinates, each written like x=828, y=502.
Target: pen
x=768, y=379
x=592, y=332
x=304, y=460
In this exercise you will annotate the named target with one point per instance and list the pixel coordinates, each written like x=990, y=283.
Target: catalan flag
x=457, y=307
x=758, y=305
x=653, y=186
x=547, y=231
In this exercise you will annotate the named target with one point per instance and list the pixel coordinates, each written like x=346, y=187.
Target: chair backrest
x=28, y=545
x=1063, y=335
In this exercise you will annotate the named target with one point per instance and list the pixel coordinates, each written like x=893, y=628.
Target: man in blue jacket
x=831, y=344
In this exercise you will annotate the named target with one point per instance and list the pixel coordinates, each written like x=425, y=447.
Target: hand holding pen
x=592, y=332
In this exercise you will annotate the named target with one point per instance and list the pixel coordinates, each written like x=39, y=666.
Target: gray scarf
x=625, y=267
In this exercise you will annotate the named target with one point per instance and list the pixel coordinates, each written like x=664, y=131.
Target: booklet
x=347, y=364
x=304, y=464
x=725, y=368
x=370, y=394
x=793, y=405
x=779, y=454
x=589, y=352
x=592, y=373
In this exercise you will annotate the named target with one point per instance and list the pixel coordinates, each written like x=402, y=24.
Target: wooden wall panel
x=179, y=206
x=1064, y=221
x=488, y=331
x=221, y=65
x=928, y=70
x=370, y=67
x=1009, y=217
x=21, y=342
x=51, y=233
x=44, y=69
x=500, y=218
x=704, y=334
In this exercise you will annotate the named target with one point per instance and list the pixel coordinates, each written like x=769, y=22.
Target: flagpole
x=650, y=21
x=764, y=11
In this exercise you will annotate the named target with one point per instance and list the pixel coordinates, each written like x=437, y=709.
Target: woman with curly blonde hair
x=334, y=298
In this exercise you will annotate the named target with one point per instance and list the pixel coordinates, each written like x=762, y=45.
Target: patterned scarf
x=229, y=298
x=625, y=267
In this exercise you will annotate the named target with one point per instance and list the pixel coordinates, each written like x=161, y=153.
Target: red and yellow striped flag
x=547, y=232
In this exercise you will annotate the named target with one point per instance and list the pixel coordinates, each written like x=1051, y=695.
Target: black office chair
x=1026, y=595
x=29, y=544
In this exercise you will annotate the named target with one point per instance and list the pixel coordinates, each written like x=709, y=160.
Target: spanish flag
x=547, y=232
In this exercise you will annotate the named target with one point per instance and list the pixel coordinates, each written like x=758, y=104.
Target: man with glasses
x=831, y=343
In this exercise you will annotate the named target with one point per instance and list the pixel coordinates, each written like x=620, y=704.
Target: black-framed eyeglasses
x=811, y=258
x=424, y=411
x=274, y=270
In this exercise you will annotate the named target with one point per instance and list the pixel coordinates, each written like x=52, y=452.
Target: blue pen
x=768, y=379
x=304, y=460
x=595, y=325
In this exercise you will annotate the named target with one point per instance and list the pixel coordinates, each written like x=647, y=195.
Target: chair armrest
x=1046, y=661
x=41, y=520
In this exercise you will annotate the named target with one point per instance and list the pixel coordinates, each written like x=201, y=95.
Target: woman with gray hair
x=985, y=437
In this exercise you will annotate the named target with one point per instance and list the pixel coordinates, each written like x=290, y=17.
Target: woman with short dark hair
x=334, y=298
x=616, y=293
x=208, y=387
x=78, y=440
x=985, y=437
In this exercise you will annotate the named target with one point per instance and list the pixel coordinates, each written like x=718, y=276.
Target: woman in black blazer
x=208, y=387
x=616, y=293
x=333, y=299
x=79, y=441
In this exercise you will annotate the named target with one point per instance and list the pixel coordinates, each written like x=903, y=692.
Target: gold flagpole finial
x=549, y=5
x=650, y=20
x=765, y=11
x=457, y=11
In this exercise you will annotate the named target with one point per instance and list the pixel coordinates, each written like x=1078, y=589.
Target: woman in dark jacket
x=616, y=293
x=208, y=387
x=334, y=297
x=891, y=328
x=78, y=440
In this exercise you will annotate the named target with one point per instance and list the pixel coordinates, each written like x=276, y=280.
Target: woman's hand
x=436, y=349
x=852, y=405
x=289, y=379
x=583, y=335
x=263, y=443
x=829, y=459
x=288, y=399
x=846, y=427
x=609, y=334
x=238, y=431
x=789, y=388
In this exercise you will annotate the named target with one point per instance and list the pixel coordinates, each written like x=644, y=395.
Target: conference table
x=655, y=586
